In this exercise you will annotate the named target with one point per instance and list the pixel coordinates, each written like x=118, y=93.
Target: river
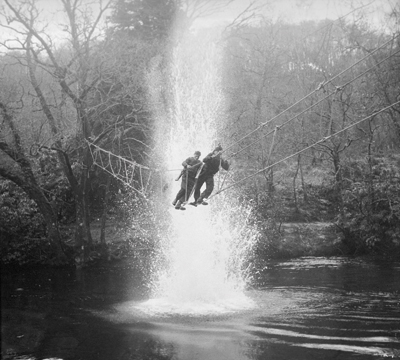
x=308, y=308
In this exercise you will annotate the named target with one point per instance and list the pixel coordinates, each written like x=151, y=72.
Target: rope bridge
x=131, y=173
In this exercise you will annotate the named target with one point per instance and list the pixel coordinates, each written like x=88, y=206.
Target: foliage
x=19, y=214
x=274, y=211
x=54, y=184
x=134, y=216
x=372, y=204
x=27, y=251
x=148, y=20
x=22, y=229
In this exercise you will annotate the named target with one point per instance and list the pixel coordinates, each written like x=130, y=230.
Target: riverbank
x=308, y=239
x=289, y=240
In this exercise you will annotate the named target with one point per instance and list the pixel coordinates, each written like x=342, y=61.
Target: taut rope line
x=320, y=86
x=306, y=148
x=278, y=127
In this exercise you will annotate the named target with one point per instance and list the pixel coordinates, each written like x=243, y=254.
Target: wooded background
x=312, y=108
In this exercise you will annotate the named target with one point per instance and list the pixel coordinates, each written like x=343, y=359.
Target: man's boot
x=200, y=201
x=179, y=206
x=194, y=203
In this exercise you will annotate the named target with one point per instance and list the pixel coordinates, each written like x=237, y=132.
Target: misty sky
x=303, y=10
x=285, y=10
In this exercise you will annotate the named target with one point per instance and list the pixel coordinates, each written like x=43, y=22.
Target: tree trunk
x=303, y=185
x=53, y=233
x=104, y=215
x=270, y=181
x=85, y=198
x=294, y=186
x=338, y=181
x=83, y=236
x=370, y=175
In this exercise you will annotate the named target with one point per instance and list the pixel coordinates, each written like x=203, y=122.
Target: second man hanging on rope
x=212, y=162
x=192, y=166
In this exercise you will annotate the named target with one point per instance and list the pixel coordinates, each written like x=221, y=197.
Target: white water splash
x=202, y=277
x=205, y=247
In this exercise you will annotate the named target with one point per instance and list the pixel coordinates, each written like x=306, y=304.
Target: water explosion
x=205, y=247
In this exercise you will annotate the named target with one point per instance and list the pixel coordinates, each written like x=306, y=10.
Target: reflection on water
x=311, y=308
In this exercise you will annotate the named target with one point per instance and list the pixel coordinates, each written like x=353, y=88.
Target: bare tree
x=76, y=75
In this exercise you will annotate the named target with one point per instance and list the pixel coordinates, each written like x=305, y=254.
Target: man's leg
x=182, y=191
x=207, y=192
x=185, y=197
x=178, y=196
x=200, y=182
x=198, y=185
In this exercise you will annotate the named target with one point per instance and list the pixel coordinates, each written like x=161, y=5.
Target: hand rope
x=306, y=148
x=321, y=86
x=278, y=127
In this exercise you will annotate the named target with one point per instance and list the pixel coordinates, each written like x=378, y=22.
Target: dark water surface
x=309, y=308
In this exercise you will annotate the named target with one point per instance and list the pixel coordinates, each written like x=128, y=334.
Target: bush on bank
x=371, y=222
x=368, y=225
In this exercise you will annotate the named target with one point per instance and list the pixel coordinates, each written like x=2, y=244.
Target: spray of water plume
x=204, y=248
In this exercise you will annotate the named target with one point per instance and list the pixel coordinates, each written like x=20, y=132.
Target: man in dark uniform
x=212, y=163
x=191, y=166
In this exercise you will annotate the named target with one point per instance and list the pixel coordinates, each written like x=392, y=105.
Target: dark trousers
x=209, y=181
x=181, y=195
